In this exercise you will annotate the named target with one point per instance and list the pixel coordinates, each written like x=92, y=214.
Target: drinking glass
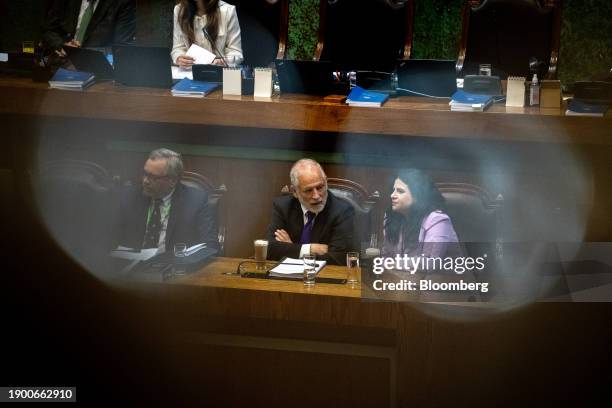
x=484, y=69
x=179, y=268
x=352, y=263
x=261, y=253
x=310, y=270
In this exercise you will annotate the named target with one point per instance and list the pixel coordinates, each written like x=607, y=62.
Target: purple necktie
x=307, y=228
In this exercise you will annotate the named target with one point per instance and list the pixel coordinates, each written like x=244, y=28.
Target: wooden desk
x=403, y=116
x=271, y=342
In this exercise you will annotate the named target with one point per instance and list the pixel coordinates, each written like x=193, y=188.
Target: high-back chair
x=364, y=34
x=215, y=202
x=476, y=216
x=509, y=34
x=263, y=30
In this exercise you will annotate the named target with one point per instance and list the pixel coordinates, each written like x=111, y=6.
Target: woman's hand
x=185, y=62
x=218, y=61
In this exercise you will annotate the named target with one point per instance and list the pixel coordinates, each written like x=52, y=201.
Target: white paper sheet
x=180, y=73
x=201, y=55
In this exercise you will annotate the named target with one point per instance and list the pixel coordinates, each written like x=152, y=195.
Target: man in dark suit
x=89, y=23
x=163, y=211
x=313, y=221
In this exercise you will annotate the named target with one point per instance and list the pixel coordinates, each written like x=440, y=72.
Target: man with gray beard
x=312, y=221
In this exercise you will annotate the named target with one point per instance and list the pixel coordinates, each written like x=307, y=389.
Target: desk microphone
x=212, y=43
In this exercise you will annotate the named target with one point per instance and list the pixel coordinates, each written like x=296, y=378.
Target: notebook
x=193, y=89
x=71, y=80
x=467, y=102
x=366, y=98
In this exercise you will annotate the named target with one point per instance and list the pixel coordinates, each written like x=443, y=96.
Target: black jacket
x=333, y=226
x=190, y=219
x=113, y=22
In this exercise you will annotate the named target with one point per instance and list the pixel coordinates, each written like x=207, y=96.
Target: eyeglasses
x=153, y=177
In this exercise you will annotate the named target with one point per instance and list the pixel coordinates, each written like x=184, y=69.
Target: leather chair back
x=365, y=34
x=263, y=27
x=215, y=202
x=507, y=34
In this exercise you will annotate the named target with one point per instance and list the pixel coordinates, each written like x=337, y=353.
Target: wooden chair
x=215, y=202
x=507, y=34
x=263, y=29
x=364, y=204
x=364, y=34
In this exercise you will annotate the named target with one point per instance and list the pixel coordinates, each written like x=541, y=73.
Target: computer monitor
x=305, y=77
x=90, y=60
x=425, y=77
x=143, y=66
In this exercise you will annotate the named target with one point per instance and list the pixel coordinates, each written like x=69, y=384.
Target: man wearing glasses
x=165, y=211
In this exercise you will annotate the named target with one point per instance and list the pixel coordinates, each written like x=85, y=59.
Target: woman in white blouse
x=219, y=19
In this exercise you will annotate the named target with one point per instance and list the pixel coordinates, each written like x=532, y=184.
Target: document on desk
x=181, y=73
x=293, y=268
x=132, y=256
x=201, y=55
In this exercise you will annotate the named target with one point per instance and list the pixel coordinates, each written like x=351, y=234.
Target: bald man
x=312, y=220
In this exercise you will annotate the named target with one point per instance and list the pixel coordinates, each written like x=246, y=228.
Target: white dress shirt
x=228, y=39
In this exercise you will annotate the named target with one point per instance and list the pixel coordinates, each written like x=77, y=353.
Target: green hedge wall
x=586, y=35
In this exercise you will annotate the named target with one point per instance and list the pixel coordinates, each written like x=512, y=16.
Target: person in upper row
x=202, y=22
x=88, y=23
x=416, y=223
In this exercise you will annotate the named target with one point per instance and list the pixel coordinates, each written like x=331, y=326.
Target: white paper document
x=132, y=256
x=293, y=267
x=122, y=252
x=193, y=249
x=201, y=55
x=180, y=73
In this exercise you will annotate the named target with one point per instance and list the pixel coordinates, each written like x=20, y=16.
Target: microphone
x=208, y=37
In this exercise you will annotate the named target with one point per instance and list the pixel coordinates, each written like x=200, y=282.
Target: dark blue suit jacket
x=113, y=22
x=190, y=219
x=333, y=226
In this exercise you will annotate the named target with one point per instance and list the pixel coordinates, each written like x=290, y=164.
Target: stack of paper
x=71, y=80
x=468, y=102
x=292, y=268
x=362, y=97
x=193, y=89
x=579, y=108
x=193, y=249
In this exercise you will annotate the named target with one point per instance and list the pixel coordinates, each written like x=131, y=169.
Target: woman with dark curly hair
x=211, y=24
x=416, y=223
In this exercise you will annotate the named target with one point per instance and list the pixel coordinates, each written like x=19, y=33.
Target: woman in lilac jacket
x=416, y=223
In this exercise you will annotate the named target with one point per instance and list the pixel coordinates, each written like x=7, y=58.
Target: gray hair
x=300, y=165
x=174, y=167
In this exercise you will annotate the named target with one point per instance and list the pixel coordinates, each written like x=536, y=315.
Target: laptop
x=143, y=66
x=90, y=60
x=305, y=77
x=424, y=77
